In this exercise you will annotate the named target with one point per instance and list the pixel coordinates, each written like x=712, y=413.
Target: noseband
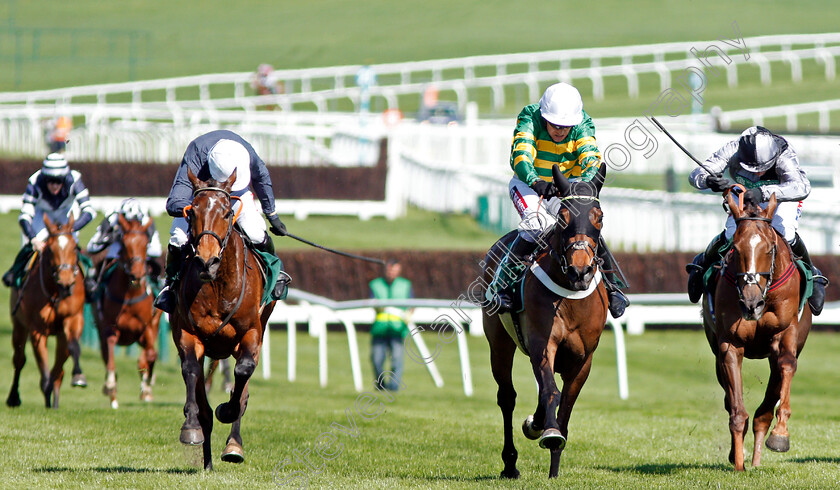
x=231, y=219
x=577, y=244
x=56, y=269
x=753, y=277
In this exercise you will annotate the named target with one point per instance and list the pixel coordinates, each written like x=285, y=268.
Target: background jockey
x=58, y=192
x=108, y=236
x=765, y=164
x=216, y=155
x=555, y=131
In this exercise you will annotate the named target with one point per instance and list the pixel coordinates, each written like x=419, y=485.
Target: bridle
x=587, y=230
x=127, y=262
x=753, y=277
x=231, y=219
x=56, y=269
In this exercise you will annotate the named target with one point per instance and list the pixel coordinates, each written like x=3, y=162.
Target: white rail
x=791, y=113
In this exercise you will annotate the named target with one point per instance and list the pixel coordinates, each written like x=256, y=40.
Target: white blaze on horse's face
x=755, y=240
x=63, y=241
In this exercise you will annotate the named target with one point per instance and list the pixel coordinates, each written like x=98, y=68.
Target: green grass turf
x=671, y=432
x=187, y=39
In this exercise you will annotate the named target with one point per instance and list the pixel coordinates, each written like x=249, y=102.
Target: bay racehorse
x=565, y=311
x=124, y=312
x=50, y=302
x=219, y=314
x=755, y=313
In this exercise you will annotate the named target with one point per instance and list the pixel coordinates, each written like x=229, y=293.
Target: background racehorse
x=754, y=313
x=124, y=311
x=559, y=333
x=50, y=302
x=218, y=315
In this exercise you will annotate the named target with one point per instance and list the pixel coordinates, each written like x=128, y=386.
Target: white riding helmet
x=224, y=157
x=55, y=166
x=758, y=149
x=132, y=210
x=561, y=105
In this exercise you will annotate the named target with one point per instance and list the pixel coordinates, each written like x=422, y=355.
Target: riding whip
x=681, y=147
x=337, y=252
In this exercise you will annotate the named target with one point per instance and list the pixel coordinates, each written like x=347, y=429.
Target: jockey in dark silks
x=765, y=164
x=58, y=192
x=216, y=155
x=557, y=131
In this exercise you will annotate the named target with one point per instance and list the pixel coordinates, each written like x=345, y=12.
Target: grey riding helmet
x=758, y=149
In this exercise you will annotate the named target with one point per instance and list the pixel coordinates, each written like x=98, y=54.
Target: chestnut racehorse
x=218, y=315
x=754, y=313
x=124, y=311
x=565, y=312
x=50, y=302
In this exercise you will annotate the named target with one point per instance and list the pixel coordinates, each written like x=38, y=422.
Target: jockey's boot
x=817, y=299
x=613, y=280
x=508, y=271
x=20, y=261
x=701, y=263
x=167, y=299
x=283, y=280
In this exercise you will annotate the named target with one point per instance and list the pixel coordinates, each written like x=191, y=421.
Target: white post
x=292, y=348
x=353, y=345
x=322, y=353
x=266, y=353
x=425, y=354
x=620, y=359
x=466, y=374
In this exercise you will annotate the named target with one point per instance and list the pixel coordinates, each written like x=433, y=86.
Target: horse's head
x=578, y=229
x=133, y=252
x=211, y=222
x=753, y=255
x=60, y=252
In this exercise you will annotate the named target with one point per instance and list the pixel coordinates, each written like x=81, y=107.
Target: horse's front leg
x=234, y=451
x=146, y=363
x=786, y=364
x=731, y=358
x=574, y=376
x=502, y=350
x=542, y=362
x=18, y=360
x=764, y=413
x=73, y=327
x=57, y=373
x=190, y=351
x=39, y=348
x=107, y=343
x=246, y=364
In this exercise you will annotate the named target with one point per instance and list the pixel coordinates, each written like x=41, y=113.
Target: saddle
x=271, y=269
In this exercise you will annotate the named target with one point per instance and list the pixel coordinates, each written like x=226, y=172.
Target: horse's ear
x=193, y=179
x=736, y=211
x=560, y=181
x=770, y=210
x=49, y=224
x=227, y=184
x=123, y=222
x=599, y=178
x=70, y=220
x=147, y=225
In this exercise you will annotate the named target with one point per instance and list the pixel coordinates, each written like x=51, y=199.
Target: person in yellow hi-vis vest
x=389, y=329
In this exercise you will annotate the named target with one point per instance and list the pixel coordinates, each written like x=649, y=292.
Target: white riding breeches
x=536, y=215
x=58, y=216
x=785, y=220
x=153, y=249
x=249, y=220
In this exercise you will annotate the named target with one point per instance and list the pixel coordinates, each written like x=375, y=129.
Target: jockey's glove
x=277, y=227
x=718, y=183
x=753, y=196
x=544, y=189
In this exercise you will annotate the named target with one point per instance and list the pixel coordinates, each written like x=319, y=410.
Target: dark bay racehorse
x=565, y=312
x=50, y=302
x=754, y=313
x=218, y=315
x=124, y=312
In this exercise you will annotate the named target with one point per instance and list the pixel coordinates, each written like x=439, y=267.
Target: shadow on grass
x=815, y=459
x=665, y=469
x=115, y=469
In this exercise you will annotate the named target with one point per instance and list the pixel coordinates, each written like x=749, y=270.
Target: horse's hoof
x=552, y=439
x=13, y=400
x=780, y=444
x=233, y=453
x=529, y=430
x=79, y=380
x=511, y=475
x=115, y=404
x=192, y=437
x=146, y=397
x=225, y=414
